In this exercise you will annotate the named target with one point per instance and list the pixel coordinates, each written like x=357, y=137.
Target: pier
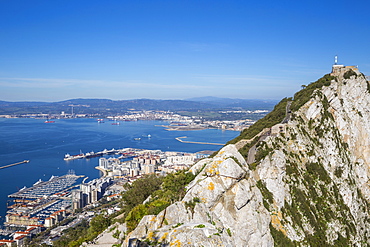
x=208, y=143
x=15, y=164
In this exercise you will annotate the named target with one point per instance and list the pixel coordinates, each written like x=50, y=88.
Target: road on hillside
x=287, y=113
x=252, y=151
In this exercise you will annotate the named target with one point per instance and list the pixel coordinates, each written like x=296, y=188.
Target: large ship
x=73, y=157
x=49, y=121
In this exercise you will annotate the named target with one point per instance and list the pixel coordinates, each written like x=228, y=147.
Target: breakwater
x=15, y=164
x=206, y=143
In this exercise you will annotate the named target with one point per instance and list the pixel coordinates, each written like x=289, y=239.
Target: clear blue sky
x=62, y=49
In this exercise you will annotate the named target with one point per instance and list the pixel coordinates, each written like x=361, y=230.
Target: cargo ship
x=73, y=157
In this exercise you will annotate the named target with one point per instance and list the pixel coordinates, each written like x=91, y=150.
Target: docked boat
x=38, y=182
x=92, y=155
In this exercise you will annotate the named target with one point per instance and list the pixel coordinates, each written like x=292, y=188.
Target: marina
x=47, y=188
x=34, y=205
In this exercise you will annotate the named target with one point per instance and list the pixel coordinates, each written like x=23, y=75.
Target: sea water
x=45, y=145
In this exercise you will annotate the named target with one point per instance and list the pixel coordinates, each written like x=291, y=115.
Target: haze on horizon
x=59, y=50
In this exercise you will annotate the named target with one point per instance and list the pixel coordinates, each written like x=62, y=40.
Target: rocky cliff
x=307, y=183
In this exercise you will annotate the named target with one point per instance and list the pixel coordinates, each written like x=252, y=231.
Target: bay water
x=45, y=145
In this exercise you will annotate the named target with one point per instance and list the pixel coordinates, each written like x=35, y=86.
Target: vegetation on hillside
x=83, y=232
x=349, y=73
x=171, y=189
x=302, y=96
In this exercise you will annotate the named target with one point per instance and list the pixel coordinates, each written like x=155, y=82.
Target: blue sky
x=64, y=49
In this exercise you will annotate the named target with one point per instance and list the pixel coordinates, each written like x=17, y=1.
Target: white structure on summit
x=340, y=68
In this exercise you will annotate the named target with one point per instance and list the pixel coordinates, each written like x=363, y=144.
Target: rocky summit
x=298, y=178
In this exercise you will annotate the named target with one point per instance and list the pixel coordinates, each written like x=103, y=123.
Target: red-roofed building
x=34, y=229
x=9, y=243
x=17, y=234
x=20, y=240
x=111, y=197
x=49, y=222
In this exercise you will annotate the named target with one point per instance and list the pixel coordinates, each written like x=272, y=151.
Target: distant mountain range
x=106, y=106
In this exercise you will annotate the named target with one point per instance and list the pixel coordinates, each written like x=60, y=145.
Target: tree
x=139, y=191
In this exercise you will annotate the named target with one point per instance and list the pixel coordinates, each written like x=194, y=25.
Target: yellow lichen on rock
x=151, y=236
x=164, y=236
x=212, y=169
x=276, y=222
x=211, y=186
x=176, y=243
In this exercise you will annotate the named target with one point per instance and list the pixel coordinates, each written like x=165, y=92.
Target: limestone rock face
x=311, y=188
x=230, y=212
x=113, y=235
x=318, y=171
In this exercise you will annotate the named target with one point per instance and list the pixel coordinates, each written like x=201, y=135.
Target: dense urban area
x=49, y=207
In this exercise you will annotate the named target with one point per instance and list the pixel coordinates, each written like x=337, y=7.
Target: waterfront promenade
x=105, y=173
